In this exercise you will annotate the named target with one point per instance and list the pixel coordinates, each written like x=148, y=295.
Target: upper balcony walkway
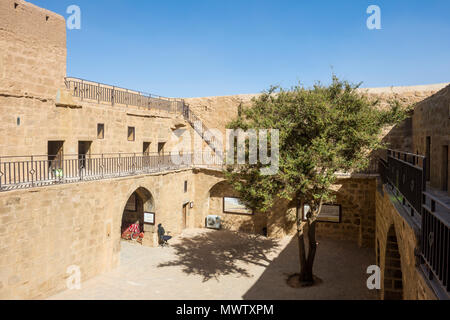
x=86, y=90
x=96, y=92
x=21, y=172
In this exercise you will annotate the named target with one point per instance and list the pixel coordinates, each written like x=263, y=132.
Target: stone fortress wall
x=432, y=119
x=36, y=107
x=45, y=230
x=397, y=244
x=32, y=51
x=217, y=111
x=28, y=125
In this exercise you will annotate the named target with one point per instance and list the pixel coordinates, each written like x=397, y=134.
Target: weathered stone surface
x=398, y=237
x=80, y=227
x=43, y=231
x=32, y=50
x=432, y=119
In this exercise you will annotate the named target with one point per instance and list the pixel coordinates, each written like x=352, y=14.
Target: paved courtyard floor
x=205, y=264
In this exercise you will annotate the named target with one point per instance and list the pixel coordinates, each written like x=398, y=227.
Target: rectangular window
x=100, y=131
x=131, y=134
x=185, y=186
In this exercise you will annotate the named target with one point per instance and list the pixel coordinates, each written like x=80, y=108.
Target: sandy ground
x=205, y=264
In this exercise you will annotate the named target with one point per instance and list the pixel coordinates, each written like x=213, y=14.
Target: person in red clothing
x=132, y=230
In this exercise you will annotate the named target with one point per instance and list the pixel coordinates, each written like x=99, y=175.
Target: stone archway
x=255, y=223
x=140, y=201
x=393, y=277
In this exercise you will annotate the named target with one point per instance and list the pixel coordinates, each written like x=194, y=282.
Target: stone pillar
x=150, y=236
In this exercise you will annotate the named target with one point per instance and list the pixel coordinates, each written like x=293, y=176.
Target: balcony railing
x=405, y=174
x=201, y=129
x=435, y=248
x=103, y=93
x=34, y=171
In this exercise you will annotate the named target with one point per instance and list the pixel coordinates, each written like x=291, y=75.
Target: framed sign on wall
x=149, y=218
x=234, y=205
x=328, y=213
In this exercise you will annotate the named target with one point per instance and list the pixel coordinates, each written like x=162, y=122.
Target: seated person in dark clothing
x=161, y=235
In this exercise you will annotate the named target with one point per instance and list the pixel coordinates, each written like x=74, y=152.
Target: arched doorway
x=139, y=202
x=393, y=281
x=222, y=202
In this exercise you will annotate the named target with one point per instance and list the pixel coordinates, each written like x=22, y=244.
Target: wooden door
x=184, y=216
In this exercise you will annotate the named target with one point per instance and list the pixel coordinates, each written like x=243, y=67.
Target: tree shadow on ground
x=340, y=265
x=220, y=253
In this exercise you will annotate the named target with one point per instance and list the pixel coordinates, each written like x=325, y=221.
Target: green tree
x=322, y=131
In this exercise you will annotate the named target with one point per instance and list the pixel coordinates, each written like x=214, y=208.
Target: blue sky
x=191, y=48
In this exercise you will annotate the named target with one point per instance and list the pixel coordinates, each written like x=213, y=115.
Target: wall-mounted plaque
x=149, y=218
x=234, y=205
x=328, y=213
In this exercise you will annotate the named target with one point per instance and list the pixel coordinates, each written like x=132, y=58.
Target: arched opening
x=393, y=282
x=223, y=201
x=140, y=202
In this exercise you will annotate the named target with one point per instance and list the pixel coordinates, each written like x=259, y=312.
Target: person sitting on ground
x=132, y=229
x=161, y=235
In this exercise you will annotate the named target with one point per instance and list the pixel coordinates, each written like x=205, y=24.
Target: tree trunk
x=301, y=245
x=301, y=253
x=309, y=277
x=306, y=263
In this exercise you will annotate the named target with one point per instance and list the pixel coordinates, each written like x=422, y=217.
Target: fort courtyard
x=112, y=193
x=225, y=265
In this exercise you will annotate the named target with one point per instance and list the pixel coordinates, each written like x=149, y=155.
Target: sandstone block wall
x=216, y=112
x=36, y=108
x=356, y=195
x=397, y=243
x=43, y=231
x=32, y=50
x=28, y=125
x=236, y=222
x=432, y=119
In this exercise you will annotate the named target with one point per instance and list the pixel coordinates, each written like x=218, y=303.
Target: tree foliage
x=322, y=130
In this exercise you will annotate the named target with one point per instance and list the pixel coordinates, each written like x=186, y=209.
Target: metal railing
x=371, y=169
x=382, y=170
x=34, y=171
x=435, y=242
x=405, y=173
x=103, y=93
x=202, y=130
